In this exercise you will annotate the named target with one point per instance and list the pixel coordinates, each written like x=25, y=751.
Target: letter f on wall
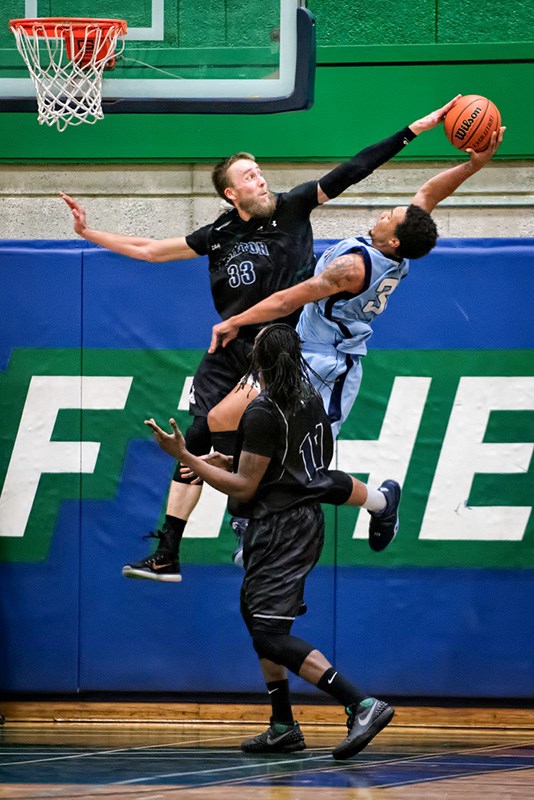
x=35, y=454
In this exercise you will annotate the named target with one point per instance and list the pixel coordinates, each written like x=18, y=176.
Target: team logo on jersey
x=252, y=248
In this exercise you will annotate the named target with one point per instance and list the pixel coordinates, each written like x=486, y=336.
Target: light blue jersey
x=334, y=331
x=345, y=320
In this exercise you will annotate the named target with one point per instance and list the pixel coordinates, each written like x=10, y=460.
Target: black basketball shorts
x=217, y=374
x=280, y=551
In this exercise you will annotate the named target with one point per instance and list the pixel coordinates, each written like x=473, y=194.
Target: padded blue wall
x=69, y=622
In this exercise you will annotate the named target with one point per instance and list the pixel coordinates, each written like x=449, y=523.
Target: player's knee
x=217, y=420
x=281, y=648
x=267, y=645
x=198, y=441
x=198, y=437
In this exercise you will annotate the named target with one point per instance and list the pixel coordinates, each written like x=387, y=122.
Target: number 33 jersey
x=344, y=320
x=248, y=261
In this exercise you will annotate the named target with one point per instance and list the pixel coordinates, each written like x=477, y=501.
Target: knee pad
x=281, y=648
x=198, y=442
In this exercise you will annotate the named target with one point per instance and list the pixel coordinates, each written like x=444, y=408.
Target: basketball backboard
x=180, y=56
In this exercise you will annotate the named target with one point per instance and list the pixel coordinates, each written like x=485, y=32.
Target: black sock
x=224, y=442
x=280, y=702
x=339, y=687
x=171, y=535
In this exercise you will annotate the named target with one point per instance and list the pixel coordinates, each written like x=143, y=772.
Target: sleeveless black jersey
x=300, y=447
x=248, y=261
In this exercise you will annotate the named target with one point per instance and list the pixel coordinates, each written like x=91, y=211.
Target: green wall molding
x=424, y=53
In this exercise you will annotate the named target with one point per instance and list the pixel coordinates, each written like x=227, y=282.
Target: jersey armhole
x=367, y=266
x=347, y=295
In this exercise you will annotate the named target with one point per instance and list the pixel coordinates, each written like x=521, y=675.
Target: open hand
x=78, y=213
x=173, y=444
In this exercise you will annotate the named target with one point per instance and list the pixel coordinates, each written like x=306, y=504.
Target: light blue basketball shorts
x=340, y=376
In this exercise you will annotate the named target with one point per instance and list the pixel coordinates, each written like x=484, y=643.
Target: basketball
x=471, y=121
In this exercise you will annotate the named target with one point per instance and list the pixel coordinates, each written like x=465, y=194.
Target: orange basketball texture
x=471, y=121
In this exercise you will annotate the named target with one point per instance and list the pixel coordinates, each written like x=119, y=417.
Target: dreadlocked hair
x=277, y=354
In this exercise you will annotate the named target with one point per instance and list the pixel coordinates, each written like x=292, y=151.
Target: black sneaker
x=161, y=565
x=239, y=525
x=385, y=524
x=158, y=567
x=276, y=739
x=364, y=722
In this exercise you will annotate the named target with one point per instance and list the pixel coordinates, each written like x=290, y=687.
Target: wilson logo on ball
x=466, y=124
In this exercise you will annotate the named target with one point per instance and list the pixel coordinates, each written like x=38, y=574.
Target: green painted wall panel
x=458, y=21
x=421, y=21
x=354, y=106
x=374, y=22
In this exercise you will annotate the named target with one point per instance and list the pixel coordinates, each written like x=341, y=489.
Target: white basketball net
x=66, y=68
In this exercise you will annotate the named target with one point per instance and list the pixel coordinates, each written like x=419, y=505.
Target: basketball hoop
x=66, y=57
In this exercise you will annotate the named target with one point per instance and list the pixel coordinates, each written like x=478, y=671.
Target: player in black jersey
x=263, y=244
x=280, y=476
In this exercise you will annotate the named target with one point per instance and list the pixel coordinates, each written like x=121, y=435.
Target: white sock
x=376, y=500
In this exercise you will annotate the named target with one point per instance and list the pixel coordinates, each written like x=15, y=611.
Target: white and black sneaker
x=364, y=722
x=277, y=738
x=384, y=524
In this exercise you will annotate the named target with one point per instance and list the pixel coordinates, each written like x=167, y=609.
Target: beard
x=263, y=207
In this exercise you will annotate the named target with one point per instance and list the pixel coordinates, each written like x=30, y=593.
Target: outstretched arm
x=241, y=485
x=132, y=246
x=344, y=274
x=363, y=163
x=445, y=183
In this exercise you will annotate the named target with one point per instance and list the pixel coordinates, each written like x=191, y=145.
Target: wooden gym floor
x=164, y=751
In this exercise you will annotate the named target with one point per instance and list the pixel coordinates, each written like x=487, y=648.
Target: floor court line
x=92, y=753
x=483, y=762
x=348, y=765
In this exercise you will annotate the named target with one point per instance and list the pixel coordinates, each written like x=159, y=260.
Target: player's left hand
x=434, y=118
x=173, y=444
